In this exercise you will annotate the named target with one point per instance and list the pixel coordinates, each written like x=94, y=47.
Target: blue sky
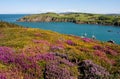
x=38, y=6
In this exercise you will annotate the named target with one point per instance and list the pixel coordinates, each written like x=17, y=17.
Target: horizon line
x=61, y=12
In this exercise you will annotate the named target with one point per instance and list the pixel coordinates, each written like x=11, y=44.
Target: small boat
x=85, y=34
x=93, y=37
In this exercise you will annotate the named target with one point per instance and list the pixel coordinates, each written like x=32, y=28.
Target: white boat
x=93, y=37
x=85, y=34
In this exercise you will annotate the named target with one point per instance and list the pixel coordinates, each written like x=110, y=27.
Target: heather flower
x=10, y=73
x=113, y=62
x=53, y=68
x=102, y=55
x=41, y=42
x=54, y=71
x=31, y=51
x=47, y=56
x=2, y=76
x=87, y=39
x=107, y=50
x=111, y=52
x=6, y=55
x=61, y=55
x=27, y=65
x=21, y=62
x=66, y=62
x=97, y=47
x=84, y=49
x=92, y=70
x=70, y=42
x=53, y=47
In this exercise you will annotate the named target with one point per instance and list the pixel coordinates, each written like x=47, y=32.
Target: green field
x=80, y=18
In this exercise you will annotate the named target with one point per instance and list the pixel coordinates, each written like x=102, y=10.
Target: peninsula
x=79, y=18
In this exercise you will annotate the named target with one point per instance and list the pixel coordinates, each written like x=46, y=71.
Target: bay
x=101, y=32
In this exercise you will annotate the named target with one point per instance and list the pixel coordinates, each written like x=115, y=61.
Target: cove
x=103, y=33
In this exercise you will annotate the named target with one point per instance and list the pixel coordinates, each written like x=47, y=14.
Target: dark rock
x=111, y=41
x=109, y=30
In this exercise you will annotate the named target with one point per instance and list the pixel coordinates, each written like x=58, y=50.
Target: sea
x=100, y=32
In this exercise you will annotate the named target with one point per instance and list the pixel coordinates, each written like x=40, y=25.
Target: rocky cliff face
x=46, y=19
x=49, y=18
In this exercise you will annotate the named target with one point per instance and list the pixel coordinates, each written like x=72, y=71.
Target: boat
x=85, y=34
x=93, y=37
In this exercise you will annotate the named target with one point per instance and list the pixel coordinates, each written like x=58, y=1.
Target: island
x=79, y=18
x=31, y=53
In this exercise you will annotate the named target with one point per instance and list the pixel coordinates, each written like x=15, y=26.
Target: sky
x=41, y=6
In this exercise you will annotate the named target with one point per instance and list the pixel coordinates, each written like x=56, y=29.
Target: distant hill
x=79, y=18
x=114, y=14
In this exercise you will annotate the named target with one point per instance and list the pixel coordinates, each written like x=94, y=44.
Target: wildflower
x=70, y=42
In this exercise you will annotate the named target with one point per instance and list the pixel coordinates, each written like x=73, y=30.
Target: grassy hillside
x=80, y=18
x=27, y=53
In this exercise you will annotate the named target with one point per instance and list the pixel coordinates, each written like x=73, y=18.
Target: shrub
x=25, y=64
x=97, y=47
x=87, y=39
x=61, y=55
x=6, y=55
x=111, y=52
x=41, y=42
x=91, y=70
x=102, y=56
x=47, y=56
x=53, y=47
x=70, y=42
x=28, y=65
x=107, y=50
x=53, y=71
x=2, y=76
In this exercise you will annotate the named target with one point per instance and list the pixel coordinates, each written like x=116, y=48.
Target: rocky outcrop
x=59, y=18
x=46, y=19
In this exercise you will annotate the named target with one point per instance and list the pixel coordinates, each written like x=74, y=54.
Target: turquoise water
x=11, y=17
x=99, y=31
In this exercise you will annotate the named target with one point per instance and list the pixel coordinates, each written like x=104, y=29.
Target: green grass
x=84, y=18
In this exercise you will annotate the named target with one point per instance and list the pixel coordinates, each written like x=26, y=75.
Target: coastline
x=73, y=18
